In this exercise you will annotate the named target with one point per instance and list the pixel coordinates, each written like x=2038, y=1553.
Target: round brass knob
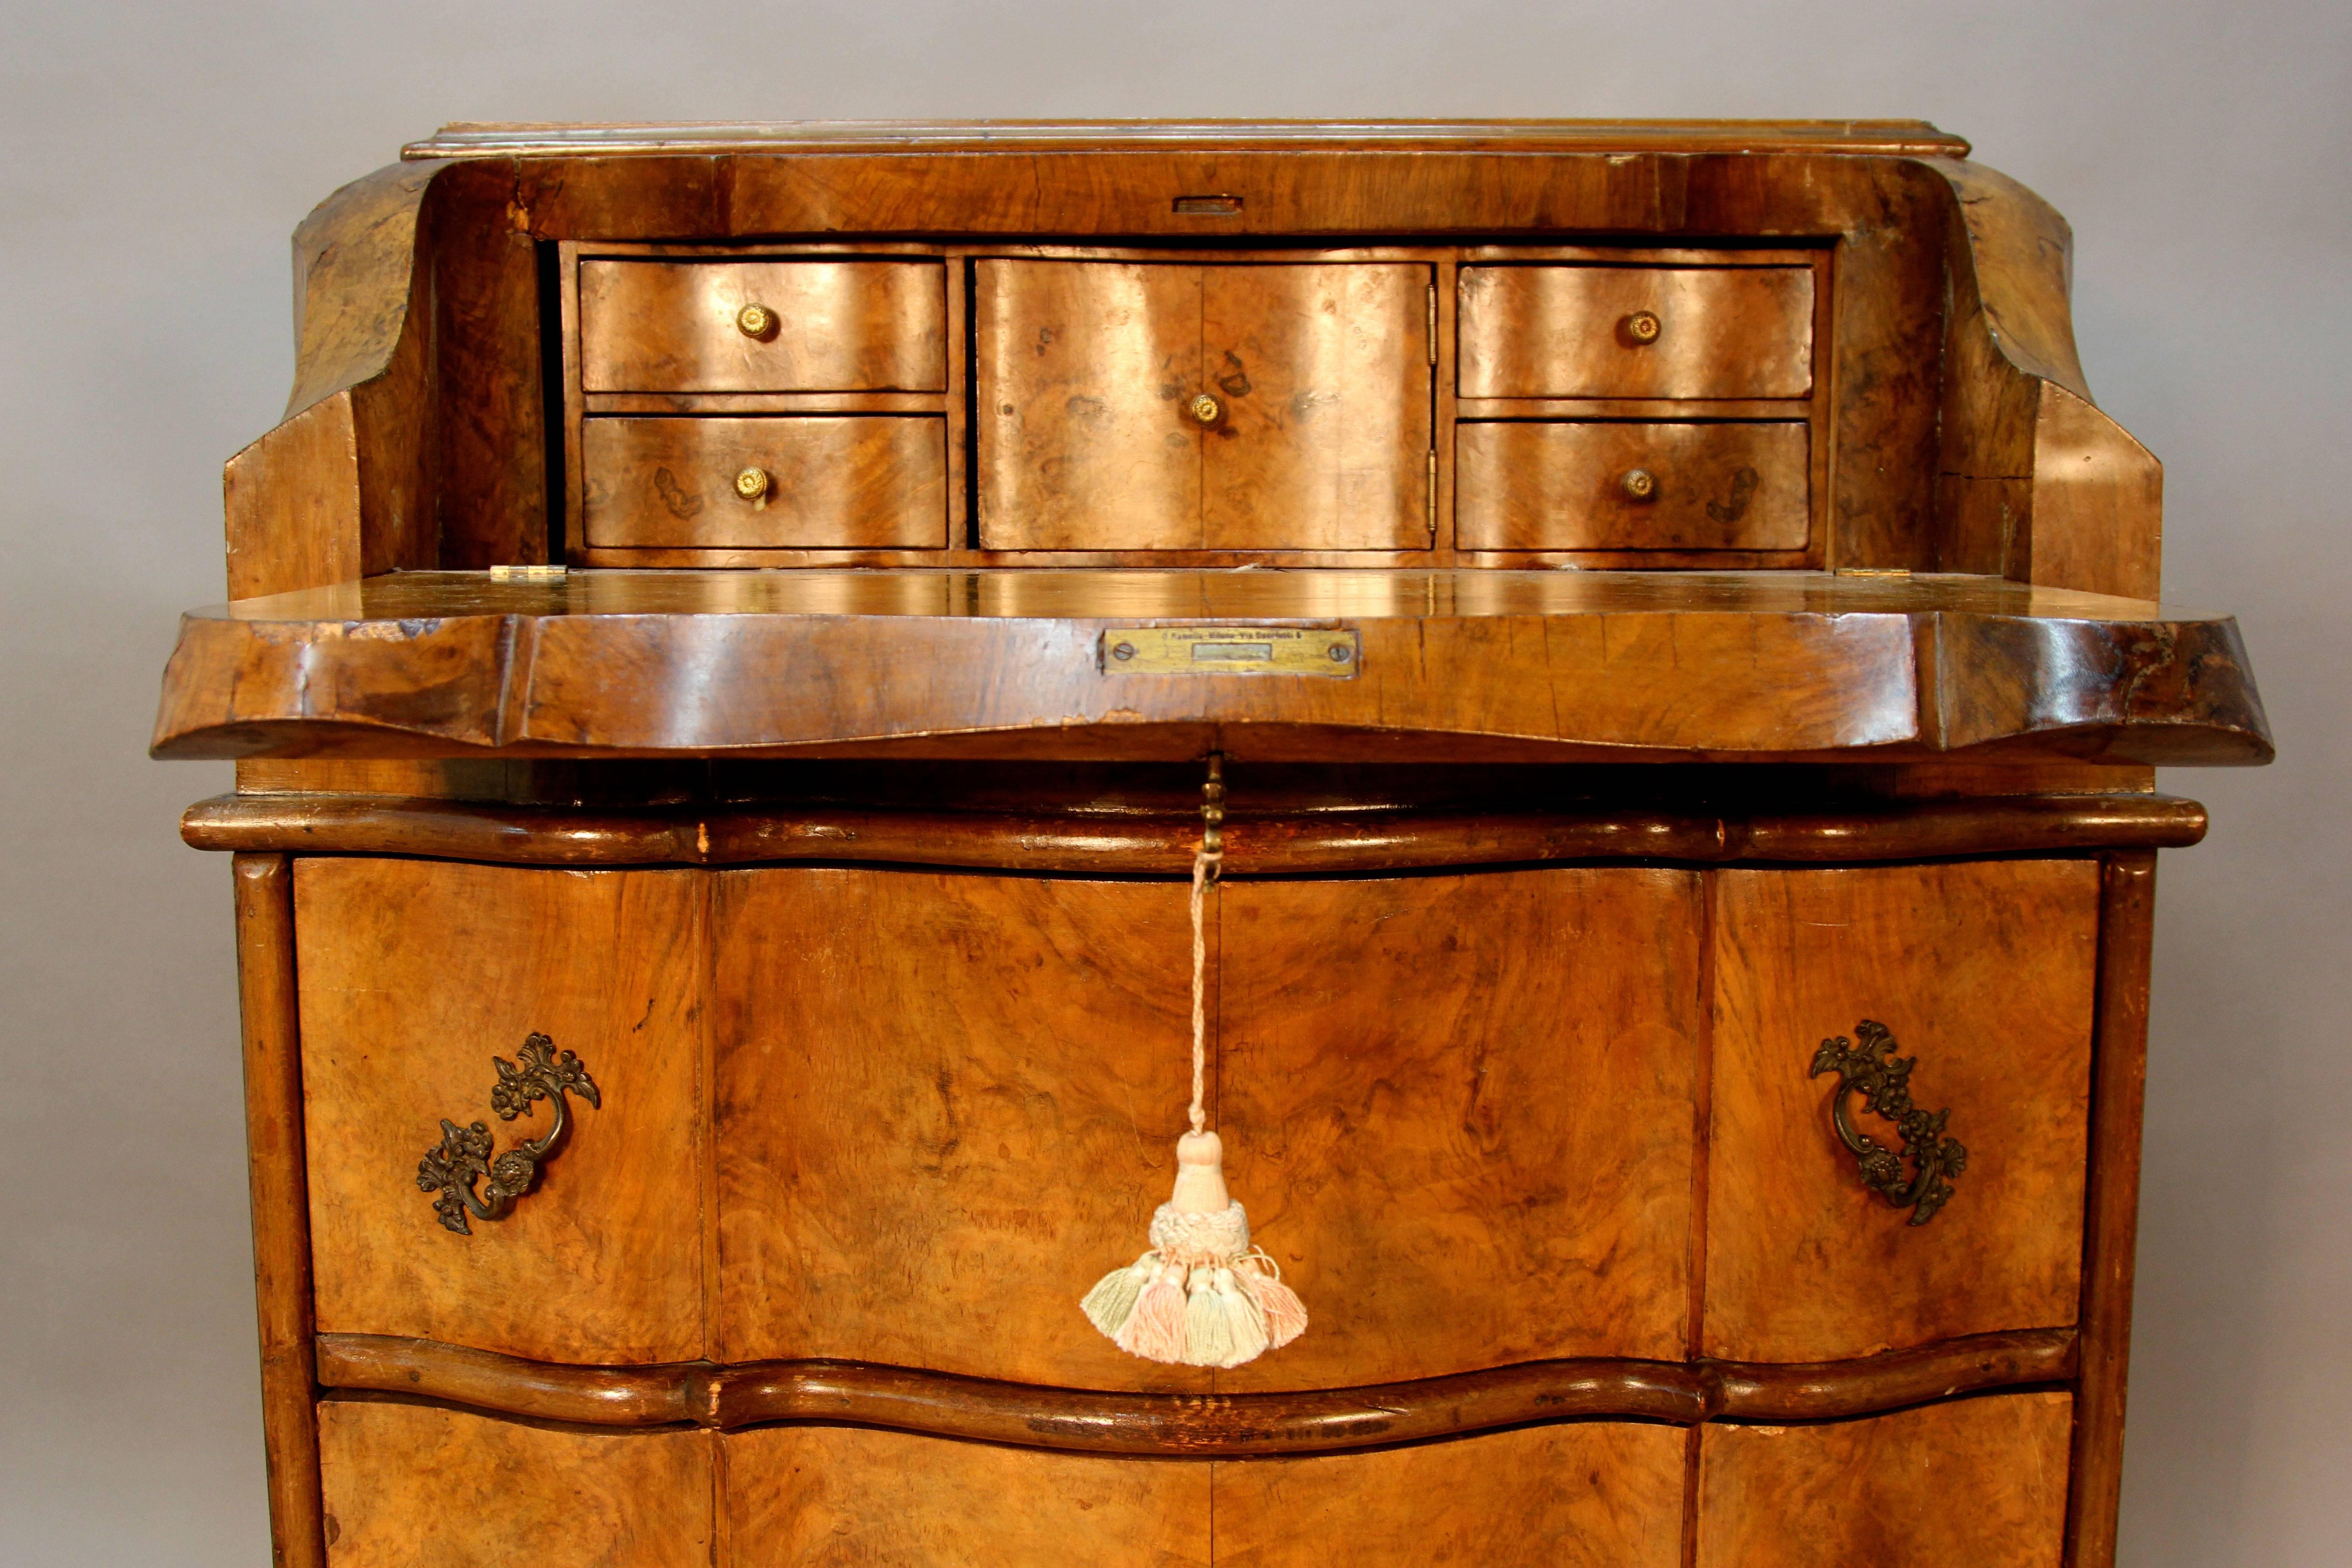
x=1643, y=326
x=755, y=320
x=751, y=483
x=1639, y=484
x=1205, y=408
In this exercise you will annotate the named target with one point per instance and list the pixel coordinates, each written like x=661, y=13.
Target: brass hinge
x=1433, y=323
x=1433, y=498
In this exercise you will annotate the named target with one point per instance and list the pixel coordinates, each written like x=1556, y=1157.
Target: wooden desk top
x=1911, y=138
x=1468, y=665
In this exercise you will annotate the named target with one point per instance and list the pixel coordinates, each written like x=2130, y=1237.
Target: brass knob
x=1205, y=408
x=1639, y=484
x=1643, y=326
x=751, y=483
x=755, y=320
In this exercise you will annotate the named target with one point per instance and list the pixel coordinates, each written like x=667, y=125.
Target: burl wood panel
x=1542, y=486
x=1975, y=1481
x=1578, y=1495
x=1460, y=1112
x=414, y=975
x=948, y=1105
x=820, y=1496
x=840, y=326
x=1087, y=370
x=1565, y=332
x=1984, y=972
x=411, y=1485
x=863, y=481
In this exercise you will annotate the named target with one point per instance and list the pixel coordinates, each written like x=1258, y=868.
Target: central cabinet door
x=1236, y=406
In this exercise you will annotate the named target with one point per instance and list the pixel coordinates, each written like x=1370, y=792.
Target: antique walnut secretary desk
x=722, y=653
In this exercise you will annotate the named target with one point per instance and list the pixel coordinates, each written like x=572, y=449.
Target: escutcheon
x=1883, y=1080
x=464, y=1156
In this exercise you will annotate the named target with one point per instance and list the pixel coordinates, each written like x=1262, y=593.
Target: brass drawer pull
x=1206, y=409
x=464, y=1156
x=1643, y=327
x=754, y=484
x=755, y=320
x=1639, y=484
x=1883, y=1080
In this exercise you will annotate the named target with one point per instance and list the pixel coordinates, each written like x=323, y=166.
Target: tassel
x=1111, y=1302
x=1201, y=1297
x=1286, y=1315
x=1155, y=1330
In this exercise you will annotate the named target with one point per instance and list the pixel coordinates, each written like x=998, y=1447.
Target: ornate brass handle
x=1884, y=1079
x=464, y=1156
x=1643, y=326
x=1639, y=484
x=752, y=484
x=1206, y=409
x=755, y=320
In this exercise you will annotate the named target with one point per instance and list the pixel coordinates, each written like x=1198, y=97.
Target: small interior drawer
x=1632, y=485
x=806, y=481
x=1567, y=331
x=818, y=326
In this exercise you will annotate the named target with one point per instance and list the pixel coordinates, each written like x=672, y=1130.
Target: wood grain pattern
x=1088, y=369
x=1457, y=666
x=409, y=1485
x=1464, y=1146
x=1094, y=840
x=292, y=505
x=841, y=326
x=414, y=975
x=834, y=482
x=1591, y=1495
x=942, y=1405
x=1552, y=485
x=1980, y=1482
x=2098, y=501
x=1562, y=331
x=2118, y=1095
x=281, y=1229
x=840, y=1496
x=946, y=1106
x=1984, y=973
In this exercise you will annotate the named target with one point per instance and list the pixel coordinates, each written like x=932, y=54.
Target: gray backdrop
x=155, y=158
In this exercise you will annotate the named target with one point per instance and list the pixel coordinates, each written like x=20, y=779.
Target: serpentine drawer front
x=1982, y=1482
x=891, y=1186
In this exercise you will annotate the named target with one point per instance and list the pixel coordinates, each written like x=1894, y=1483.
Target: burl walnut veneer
x=721, y=657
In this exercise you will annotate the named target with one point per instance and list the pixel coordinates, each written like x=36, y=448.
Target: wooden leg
x=2118, y=1092
x=281, y=1220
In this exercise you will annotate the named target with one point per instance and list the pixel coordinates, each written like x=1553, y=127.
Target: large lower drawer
x=908, y=1117
x=408, y=1484
x=802, y=481
x=1978, y=1481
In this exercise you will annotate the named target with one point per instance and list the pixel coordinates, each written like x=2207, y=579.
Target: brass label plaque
x=1232, y=650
